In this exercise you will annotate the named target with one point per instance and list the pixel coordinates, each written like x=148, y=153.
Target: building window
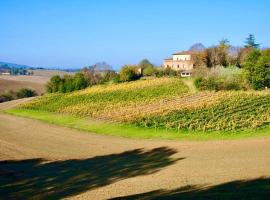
x=178, y=66
x=168, y=66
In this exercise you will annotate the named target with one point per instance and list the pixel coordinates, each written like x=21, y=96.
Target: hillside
x=13, y=65
x=105, y=100
x=164, y=103
x=49, y=72
x=16, y=83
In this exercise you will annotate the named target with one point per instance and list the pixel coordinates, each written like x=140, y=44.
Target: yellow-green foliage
x=162, y=103
x=103, y=98
x=235, y=111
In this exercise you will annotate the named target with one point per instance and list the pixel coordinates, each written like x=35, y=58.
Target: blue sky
x=73, y=33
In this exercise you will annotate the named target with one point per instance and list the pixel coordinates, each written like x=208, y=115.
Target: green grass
x=130, y=131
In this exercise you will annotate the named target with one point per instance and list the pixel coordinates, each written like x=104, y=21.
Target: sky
x=77, y=33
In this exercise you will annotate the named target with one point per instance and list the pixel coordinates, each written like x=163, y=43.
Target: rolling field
x=105, y=100
x=16, y=83
x=43, y=161
x=53, y=160
x=164, y=103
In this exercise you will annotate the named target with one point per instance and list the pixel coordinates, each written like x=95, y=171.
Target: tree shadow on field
x=41, y=179
x=240, y=189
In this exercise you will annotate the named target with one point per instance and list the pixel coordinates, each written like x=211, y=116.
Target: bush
x=68, y=83
x=53, y=85
x=217, y=84
x=128, y=73
x=257, y=69
x=79, y=81
x=22, y=93
x=6, y=97
x=109, y=76
x=116, y=79
x=198, y=82
x=149, y=71
x=160, y=73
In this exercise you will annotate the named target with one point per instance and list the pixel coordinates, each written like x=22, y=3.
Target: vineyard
x=97, y=100
x=164, y=103
x=234, y=111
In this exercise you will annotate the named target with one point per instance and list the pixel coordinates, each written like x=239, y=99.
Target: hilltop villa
x=180, y=61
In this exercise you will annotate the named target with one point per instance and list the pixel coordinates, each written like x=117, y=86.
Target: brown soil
x=16, y=83
x=44, y=161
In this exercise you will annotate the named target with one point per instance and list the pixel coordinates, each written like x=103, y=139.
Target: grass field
x=124, y=130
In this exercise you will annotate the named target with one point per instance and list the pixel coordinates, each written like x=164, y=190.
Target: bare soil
x=16, y=83
x=43, y=161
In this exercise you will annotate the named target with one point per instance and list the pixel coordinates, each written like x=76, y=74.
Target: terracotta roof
x=183, y=53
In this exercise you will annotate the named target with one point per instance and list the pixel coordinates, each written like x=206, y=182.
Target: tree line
x=250, y=59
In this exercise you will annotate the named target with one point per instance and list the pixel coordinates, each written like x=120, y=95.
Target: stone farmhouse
x=180, y=61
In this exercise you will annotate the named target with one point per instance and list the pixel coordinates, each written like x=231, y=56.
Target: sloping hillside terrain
x=16, y=83
x=165, y=103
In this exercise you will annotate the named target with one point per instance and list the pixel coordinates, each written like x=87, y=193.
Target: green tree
x=79, y=81
x=223, y=48
x=257, y=69
x=68, y=83
x=149, y=71
x=251, y=42
x=128, y=73
x=53, y=84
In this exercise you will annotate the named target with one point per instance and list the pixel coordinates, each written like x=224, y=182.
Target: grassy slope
x=138, y=96
x=97, y=100
x=131, y=131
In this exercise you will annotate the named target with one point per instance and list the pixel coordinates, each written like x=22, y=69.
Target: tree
x=68, y=83
x=251, y=42
x=149, y=71
x=212, y=56
x=242, y=55
x=128, y=73
x=53, y=85
x=79, y=81
x=257, y=69
x=144, y=64
x=109, y=75
x=199, y=58
x=223, y=52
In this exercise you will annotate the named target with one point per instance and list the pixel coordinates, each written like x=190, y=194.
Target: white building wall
x=181, y=57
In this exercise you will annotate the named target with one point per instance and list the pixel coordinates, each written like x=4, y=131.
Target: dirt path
x=11, y=104
x=66, y=163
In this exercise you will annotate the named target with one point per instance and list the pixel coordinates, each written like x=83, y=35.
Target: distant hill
x=13, y=65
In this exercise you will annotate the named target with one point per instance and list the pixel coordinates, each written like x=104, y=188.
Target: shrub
x=128, y=73
x=116, y=79
x=149, y=71
x=53, y=85
x=6, y=97
x=198, y=82
x=257, y=69
x=217, y=84
x=79, y=81
x=109, y=76
x=24, y=92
